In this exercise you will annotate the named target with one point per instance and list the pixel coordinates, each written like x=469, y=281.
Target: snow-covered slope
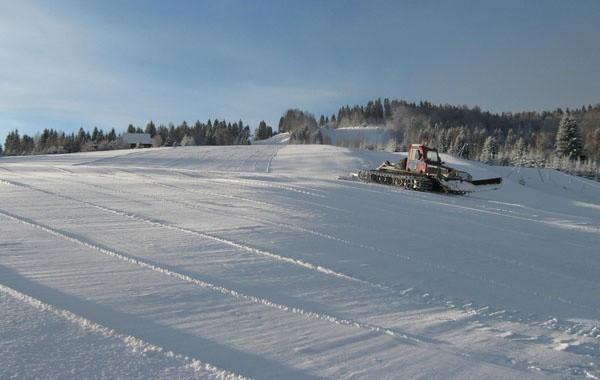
x=255, y=261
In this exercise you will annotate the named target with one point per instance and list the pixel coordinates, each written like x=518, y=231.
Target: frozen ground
x=226, y=262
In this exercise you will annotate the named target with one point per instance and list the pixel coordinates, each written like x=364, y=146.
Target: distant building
x=137, y=140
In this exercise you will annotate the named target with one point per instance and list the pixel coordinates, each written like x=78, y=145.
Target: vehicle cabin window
x=415, y=154
x=432, y=155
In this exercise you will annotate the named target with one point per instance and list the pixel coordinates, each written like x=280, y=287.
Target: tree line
x=556, y=138
x=51, y=141
x=210, y=133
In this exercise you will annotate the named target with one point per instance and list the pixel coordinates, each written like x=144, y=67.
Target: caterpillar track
x=404, y=181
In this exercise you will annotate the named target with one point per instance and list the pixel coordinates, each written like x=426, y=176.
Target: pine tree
x=27, y=145
x=262, y=132
x=520, y=147
x=81, y=136
x=96, y=134
x=12, y=144
x=112, y=135
x=43, y=141
x=150, y=129
x=569, y=142
x=458, y=146
x=490, y=150
x=387, y=108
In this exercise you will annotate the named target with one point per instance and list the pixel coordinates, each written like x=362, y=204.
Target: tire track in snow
x=146, y=264
x=402, y=336
x=212, y=237
x=271, y=159
x=399, y=336
x=135, y=344
x=301, y=229
x=153, y=181
x=258, y=220
x=512, y=262
x=569, y=327
x=435, y=266
x=63, y=170
x=258, y=161
x=466, y=306
x=225, y=177
x=228, y=242
x=263, y=221
x=256, y=182
x=554, y=222
x=248, y=183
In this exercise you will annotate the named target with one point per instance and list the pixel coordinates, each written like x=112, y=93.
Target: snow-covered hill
x=255, y=261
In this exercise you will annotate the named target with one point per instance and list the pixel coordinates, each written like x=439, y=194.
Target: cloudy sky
x=66, y=64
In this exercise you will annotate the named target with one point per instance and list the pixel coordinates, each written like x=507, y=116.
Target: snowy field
x=256, y=262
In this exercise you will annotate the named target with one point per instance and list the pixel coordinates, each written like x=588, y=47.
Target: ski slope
x=256, y=262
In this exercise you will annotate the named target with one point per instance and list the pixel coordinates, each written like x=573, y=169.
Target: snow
x=257, y=262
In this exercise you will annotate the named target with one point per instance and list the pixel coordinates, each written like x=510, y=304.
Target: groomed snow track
x=202, y=265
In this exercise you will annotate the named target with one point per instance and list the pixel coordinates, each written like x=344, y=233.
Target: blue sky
x=70, y=64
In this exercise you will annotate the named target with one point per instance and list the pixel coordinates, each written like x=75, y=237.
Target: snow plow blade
x=463, y=187
x=489, y=181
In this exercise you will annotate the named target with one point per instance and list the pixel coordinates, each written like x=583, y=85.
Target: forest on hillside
x=562, y=139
